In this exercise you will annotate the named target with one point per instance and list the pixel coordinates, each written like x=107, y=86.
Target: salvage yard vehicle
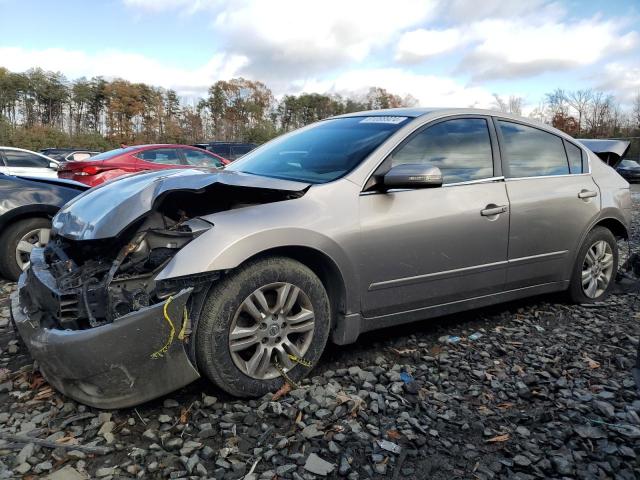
x=18, y=161
x=629, y=170
x=122, y=161
x=610, y=150
x=351, y=224
x=26, y=208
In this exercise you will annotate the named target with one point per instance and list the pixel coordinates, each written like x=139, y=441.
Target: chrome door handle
x=587, y=194
x=491, y=210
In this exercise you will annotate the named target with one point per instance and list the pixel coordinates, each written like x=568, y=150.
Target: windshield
x=322, y=152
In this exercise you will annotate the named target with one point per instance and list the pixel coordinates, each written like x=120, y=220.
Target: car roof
x=155, y=145
x=439, y=111
x=15, y=149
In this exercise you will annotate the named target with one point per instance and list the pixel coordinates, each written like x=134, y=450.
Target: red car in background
x=121, y=161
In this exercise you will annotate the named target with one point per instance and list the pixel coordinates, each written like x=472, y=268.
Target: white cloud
x=463, y=11
x=130, y=66
x=429, y=90
x=292, y=36
x=516, y=48
x=301, y=37
x=417, y=45
x=621, y=77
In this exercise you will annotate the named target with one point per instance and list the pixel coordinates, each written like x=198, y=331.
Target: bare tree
x=599, y=113
x=499, y=104
x=579, y=101
x=515, y=105
x=556, y=102
x=635, y=114
x=512, y=105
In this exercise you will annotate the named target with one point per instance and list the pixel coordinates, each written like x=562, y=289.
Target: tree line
x=40, y=109
x=45, y=109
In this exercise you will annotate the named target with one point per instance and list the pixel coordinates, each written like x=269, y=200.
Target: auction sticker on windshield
x=391, y=120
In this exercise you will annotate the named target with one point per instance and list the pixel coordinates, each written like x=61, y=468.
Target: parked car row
x=93, y=168
x=34, y=185
x=357, y=222
x=121, y=161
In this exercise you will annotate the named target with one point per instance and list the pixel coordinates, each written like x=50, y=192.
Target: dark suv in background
x=228, y=150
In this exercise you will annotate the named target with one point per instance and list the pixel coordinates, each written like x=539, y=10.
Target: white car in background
x=25, y=163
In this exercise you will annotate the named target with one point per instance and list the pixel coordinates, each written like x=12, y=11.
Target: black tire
x=576, y=291
x=9, y=239
x=212, y=334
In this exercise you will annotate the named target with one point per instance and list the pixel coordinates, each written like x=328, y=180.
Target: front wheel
x=270, y=316
x=596, y=266
x=16, y=243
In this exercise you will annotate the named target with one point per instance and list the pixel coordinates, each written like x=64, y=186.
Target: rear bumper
x=117, y=365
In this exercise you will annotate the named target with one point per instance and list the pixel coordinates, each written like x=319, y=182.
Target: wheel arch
x=30, y=211
x=615, y=226
x=609, y=221
x=323, y=266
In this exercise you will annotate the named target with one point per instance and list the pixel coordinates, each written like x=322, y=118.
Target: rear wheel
x=257, y=322
x=596, y=266
x=16, y=243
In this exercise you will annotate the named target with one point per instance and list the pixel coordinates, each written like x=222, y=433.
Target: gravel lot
x=531, y=389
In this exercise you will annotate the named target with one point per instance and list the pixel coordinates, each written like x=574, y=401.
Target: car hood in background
x=104, y=211
x=610, y=151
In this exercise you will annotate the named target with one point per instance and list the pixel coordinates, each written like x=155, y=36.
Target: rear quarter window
x=576, y=159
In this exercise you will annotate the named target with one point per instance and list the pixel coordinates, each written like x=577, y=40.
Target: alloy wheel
x=34, y=238
x=597, y=269
x=274, y=322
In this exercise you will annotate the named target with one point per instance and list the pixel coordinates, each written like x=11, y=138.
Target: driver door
x=432, y=246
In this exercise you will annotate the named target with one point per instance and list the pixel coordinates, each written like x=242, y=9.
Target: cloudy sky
x=443, y=52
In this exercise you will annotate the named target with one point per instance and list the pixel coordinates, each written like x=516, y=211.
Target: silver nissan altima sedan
x=354, y=223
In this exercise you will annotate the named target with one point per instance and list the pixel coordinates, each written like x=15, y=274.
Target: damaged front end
x=103, y=330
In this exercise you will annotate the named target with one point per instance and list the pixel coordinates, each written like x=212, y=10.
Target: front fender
x=238, y=235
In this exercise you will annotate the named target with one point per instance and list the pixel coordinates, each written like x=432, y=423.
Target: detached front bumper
x=117, y=365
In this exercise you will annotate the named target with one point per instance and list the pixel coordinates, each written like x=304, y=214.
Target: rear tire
x=272, y=335
x=13, y=234
x=596, y=266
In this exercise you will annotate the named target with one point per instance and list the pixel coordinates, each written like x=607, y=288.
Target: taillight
x=92, y=170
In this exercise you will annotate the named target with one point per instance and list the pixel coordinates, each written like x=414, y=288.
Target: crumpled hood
x=104, y=211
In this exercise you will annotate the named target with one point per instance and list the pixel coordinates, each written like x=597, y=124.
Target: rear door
x=553, y=200
x=28, y=164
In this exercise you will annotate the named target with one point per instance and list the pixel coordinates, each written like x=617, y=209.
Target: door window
x=531, y=152
x=165, y=156
x=200, y=159
x=17, y=159
x=460, y=148
x=574, y=154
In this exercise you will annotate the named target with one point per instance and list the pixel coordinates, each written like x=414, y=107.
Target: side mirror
x=413, y=175
x=53, y=165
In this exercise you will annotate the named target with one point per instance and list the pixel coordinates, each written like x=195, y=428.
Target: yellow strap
x=301, y=361
x=185, y=320
x=160, y=353
x=286, y=377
